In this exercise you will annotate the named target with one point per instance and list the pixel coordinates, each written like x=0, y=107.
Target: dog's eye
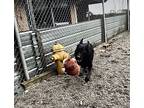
x=78, y=55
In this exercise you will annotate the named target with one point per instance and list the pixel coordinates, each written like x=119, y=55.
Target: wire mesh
x=51, y=13
x=55, y=13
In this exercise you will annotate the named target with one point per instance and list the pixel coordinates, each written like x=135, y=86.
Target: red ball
x=71, y=67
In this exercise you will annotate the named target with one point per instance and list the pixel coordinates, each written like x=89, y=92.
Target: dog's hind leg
x=87, y=78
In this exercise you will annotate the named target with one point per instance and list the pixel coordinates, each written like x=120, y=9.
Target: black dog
x=84, y=55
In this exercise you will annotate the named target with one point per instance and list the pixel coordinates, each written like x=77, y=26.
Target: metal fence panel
x=115, y=25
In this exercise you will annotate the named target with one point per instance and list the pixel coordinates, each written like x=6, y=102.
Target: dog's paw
x=87, y=79
x=81, y=74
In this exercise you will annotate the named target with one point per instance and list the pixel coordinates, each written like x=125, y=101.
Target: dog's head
x=81, y=51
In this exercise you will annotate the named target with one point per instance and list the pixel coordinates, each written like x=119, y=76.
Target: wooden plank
x=36, y=79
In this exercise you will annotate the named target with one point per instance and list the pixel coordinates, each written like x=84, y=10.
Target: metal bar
x=104, y=39
x=37, y=34
x=32, y=18
x=52, y=15
x=20, y=49
x=41, y=50
x=128, y=13
x=33, y=23
x=34, y=51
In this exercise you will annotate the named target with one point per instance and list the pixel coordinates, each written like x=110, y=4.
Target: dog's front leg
x=82, y=72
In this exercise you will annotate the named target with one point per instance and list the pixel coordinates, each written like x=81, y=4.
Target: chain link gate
x=42, y=22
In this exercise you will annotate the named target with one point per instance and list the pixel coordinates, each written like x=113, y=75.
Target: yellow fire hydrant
x=59, y=55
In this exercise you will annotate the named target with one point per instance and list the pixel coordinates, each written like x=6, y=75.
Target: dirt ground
x=108, y=88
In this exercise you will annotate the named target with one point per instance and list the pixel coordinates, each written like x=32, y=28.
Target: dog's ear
x=88, y=42
x=81, y=41
x=88, y=46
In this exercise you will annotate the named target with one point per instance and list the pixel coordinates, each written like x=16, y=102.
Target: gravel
x=109, y=86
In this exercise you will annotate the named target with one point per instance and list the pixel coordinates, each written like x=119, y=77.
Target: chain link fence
x=48, y=14
x=42, y=22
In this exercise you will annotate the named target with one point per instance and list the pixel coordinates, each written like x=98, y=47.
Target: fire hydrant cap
x=58, y=47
